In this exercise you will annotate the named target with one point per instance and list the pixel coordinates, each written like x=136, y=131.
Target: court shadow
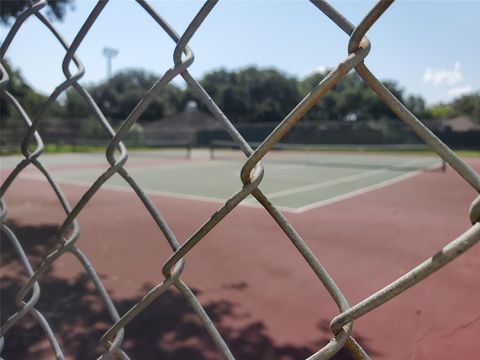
x=36, y=242
x=167, y=329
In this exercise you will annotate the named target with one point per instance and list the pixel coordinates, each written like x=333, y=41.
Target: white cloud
x=444, y=76
x=460, y=90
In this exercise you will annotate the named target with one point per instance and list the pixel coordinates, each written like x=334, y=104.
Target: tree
x=465, y=105
x=468, y=105
x=440, y=111
x=12, y=125
x=28, y=98
x=416, y=105
x=252, y=95
x=352, y=99
x=118, y=96
x=12, y=8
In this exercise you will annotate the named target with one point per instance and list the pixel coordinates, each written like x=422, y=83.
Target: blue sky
x=432, y=48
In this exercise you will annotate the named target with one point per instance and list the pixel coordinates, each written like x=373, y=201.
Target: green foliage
x=352, y=99
x=251, y=94
x=254, y=95
x=416, y=105
x=30, y=100
x=12, y=8
x=465, y=105
x=440, y=111
x=12, y=125
x=117, y=98
x=468, y=105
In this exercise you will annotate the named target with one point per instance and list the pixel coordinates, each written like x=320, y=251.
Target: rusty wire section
x=251, y=176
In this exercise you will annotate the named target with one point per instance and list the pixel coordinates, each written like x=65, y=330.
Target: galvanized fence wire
x=251, y=175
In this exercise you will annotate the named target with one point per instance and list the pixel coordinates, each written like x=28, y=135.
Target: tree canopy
x=118, y=96
x=351, y=99
x=10, y=9
x=249, y=95
x=252, y=95
x=29, y=98
x=468, y=105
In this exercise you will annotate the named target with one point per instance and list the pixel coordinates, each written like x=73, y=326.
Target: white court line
x=354, y=193
x=125, y=188
x=245, y=203
x=137, y=167
x=336, y=181
x=151, y=192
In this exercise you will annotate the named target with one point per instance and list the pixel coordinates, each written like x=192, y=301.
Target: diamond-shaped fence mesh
x=251, y=175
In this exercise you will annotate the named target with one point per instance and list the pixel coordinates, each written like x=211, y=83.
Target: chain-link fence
x=251, y=175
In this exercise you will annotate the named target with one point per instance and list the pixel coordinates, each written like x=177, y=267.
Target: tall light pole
x=109, y=53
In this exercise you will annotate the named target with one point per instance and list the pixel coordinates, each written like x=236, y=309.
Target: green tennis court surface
x=294, y=181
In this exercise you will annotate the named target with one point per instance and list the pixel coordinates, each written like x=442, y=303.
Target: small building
x=460, y=124
x=456, y=124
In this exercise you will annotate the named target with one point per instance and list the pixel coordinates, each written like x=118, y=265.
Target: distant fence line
x=322, y=133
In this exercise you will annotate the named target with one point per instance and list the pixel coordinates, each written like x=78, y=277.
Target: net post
x=212, y=150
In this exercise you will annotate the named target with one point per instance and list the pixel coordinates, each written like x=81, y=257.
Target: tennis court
x=246, y=273
x=295, y=181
